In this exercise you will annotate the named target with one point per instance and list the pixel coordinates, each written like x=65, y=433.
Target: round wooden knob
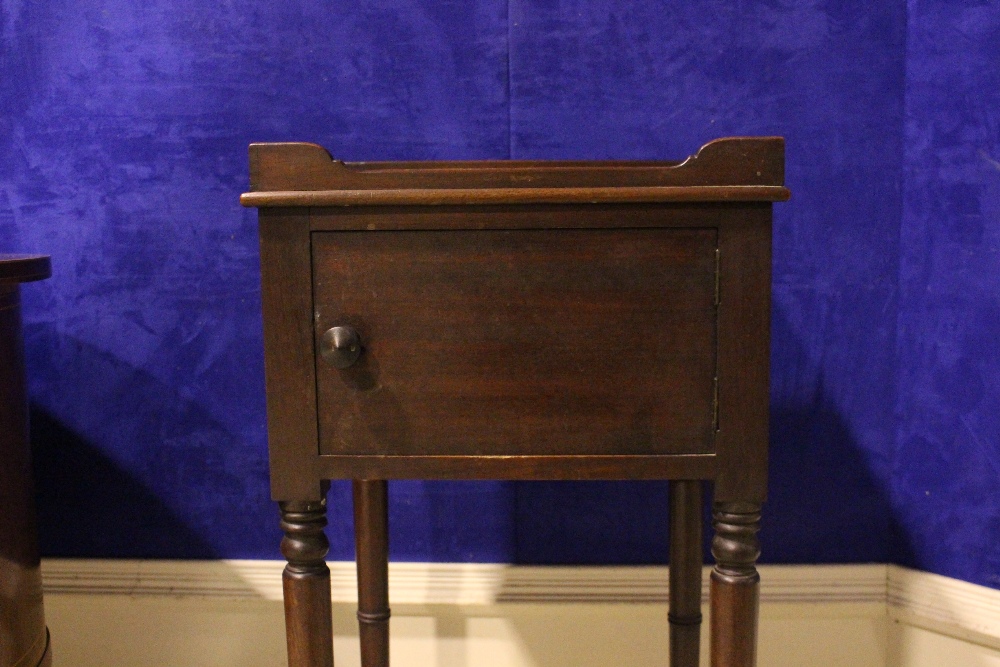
x=340, y=346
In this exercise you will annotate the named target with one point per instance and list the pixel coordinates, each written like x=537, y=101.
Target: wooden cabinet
x=24, y=640
x=518, y=320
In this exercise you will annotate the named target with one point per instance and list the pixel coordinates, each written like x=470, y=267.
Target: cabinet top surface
x=735, y=169
x=24, y=268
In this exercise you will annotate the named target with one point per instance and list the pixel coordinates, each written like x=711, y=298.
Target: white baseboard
x=452, y=583
x=844, y=615
x=944, y=605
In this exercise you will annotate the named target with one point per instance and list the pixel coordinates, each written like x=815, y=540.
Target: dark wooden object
x=24, y=640
x=371, y=527
x=519, y=320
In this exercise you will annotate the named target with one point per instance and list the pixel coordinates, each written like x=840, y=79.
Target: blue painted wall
x=123, y=134
x=946, y=484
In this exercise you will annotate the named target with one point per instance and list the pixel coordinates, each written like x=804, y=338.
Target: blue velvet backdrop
x=123, y=133
x=946, y=483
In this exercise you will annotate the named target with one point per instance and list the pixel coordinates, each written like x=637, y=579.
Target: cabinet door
x=519, y=342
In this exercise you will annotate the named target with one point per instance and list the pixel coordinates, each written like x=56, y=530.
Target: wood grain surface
x=526, y=342
x=23, y=637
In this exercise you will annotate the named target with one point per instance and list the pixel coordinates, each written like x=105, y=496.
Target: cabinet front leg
x=735, y=588
x=306, y=583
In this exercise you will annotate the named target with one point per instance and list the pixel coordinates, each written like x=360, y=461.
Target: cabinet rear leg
x=371, y=534
x=685, y=572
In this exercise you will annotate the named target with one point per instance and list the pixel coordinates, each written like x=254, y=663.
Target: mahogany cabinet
x=24, y=640
x=518, y=320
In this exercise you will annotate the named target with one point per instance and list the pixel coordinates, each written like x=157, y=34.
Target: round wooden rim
x=24, y=268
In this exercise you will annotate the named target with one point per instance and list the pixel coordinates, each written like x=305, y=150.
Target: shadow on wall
x=136, y=462
x=824, y=504
x=89, y=507
x=591, y=523
x=828, y=502
x=155, y=476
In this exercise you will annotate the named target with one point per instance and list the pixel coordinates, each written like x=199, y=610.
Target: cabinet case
x=519, y=320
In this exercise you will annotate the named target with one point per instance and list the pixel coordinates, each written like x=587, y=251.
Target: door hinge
x=715, y=383
x=715, y=403
x=717, y=277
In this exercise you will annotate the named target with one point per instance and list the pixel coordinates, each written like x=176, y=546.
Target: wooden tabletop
x=732, y=169
x=24, y=268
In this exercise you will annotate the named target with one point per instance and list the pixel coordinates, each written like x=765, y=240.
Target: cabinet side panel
x=286, y=291
x=22, y=621
x=744, y=353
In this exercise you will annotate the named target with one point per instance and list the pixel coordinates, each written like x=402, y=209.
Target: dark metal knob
x=340, y=346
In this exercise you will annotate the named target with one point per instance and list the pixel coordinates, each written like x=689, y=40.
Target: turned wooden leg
x=306, y=582
x=371, y=535
x=685, y=573
x=735, y=584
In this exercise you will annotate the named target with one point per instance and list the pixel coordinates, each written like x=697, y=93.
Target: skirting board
x=451, y=583
x=944, y=605
x=947, y=606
